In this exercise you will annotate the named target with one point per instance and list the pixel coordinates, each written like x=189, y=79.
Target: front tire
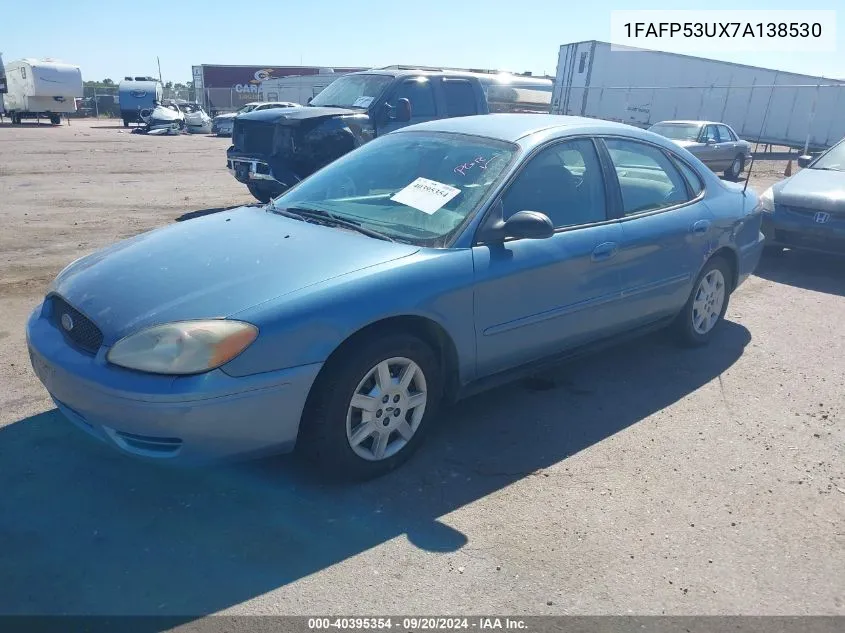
x=707, y=304
x=371, y=406
x=260, y=194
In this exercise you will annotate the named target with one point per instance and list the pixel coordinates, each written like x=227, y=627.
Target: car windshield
x=677, y=131
x=352, y=91
x=414, y=187
x=247, y=108
x=834, y=160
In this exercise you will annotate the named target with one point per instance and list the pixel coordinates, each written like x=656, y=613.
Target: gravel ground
x=645, y=480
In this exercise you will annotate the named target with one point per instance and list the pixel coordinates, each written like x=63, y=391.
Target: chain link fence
x=103, y=101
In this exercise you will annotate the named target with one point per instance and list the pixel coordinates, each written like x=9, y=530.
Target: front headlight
x=183, y=347
x=767, y=200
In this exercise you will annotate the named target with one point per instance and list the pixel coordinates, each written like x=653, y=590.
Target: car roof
x=512, y=127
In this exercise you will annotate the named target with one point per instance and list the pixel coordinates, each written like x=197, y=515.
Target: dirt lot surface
x=645, y=480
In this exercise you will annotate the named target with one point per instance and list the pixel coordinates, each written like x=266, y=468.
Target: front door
x=534, y=298
x=420, y=93
x=708, y=153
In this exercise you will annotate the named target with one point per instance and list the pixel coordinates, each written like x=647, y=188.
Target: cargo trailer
x=643, y=87
x=41, y=88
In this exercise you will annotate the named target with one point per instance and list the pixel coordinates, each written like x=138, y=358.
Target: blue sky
x=115, y=39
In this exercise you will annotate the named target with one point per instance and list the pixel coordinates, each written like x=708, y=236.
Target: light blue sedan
x=429, y=264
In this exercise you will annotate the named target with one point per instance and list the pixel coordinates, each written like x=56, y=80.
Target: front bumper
x=190, y=419
x=247, y=170
x=799, y=230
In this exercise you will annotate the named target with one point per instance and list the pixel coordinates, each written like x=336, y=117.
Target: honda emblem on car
x=67, y=322
x=821, y=217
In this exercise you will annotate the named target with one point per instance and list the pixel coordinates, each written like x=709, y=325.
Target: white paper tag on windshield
x=362, y=102
x=426, y=195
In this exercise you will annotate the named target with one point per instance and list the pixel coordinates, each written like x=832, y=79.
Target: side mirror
x=403, y=110
x=804, y=160
x=526, y=225
x=711, y=141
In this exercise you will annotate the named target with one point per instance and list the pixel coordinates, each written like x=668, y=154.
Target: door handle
x=605, y=251
x=700, y=227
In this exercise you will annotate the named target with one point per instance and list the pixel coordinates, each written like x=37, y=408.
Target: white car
x=222, y=124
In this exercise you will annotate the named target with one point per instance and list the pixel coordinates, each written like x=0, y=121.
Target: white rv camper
x=41, y=89
x=296, y=88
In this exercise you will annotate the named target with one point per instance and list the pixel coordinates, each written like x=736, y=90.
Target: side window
x=418, y=91
x=23, y=72
x=563, y=181
x=725, y=134
x=460, y=97
x=710, y=134
x=647, y=178
x=690, y=175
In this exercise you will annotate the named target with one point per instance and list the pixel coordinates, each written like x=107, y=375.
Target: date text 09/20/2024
x=416, y=623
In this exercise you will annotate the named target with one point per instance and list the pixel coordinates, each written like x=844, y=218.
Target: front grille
x=253, y=137
x=161, y=446
x=82, y=333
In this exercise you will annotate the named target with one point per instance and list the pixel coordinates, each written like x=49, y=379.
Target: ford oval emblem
x=138, y=94
x=67, y=322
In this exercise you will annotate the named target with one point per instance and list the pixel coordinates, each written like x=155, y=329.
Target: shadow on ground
x=803, y=269
x=45, y=123
x=84, y=530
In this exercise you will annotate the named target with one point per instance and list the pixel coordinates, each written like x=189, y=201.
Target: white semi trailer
x=41, y=89
x=640, y=87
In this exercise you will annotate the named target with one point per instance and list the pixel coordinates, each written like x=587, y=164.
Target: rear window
x=460, y=98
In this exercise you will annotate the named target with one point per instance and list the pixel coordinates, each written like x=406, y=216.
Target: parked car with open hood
x=273, y=150
x=222, y=124
x=431, y=263
x=715, y=144
x=807, y=210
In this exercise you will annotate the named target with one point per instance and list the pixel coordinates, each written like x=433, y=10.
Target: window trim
x=621, y=217
x=496, y=200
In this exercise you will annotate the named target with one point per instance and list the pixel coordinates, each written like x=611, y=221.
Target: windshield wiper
x=828, y=168
x=329, y=219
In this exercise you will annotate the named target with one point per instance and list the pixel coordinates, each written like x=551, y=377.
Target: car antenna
x=759, y=138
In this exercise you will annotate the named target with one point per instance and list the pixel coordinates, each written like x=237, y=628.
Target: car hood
x=226, y=117
x=301, y=113
x=814, y=188
x=212, y=266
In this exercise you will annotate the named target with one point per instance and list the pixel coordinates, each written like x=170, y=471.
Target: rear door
x=666, y=228
x=459, y=97
x=728, y=144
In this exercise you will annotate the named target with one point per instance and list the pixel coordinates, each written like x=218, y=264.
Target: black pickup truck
x=274, y=149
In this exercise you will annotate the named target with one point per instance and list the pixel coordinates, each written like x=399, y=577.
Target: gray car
x=714, y=144
x=807, y=210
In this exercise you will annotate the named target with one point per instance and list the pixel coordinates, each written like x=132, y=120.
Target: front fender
x=307, y=326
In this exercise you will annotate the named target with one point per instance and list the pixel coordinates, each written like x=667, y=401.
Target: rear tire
x=260, y=194
x=125, y=122
x=345, y=436
x=55, y=119
x=16, y=119
x=705, y=309
x=736, y=168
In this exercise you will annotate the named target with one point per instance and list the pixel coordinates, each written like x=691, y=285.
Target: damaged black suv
x=274, y=149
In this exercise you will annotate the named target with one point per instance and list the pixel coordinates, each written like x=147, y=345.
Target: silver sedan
x=714, y=144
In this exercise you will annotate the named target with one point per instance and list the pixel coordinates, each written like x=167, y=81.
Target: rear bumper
x=804, y=234
x=190, y=419
x=749, y=257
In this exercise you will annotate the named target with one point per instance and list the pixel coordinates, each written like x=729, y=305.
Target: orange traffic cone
x=788, y=171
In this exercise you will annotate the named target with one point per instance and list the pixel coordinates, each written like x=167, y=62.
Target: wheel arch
x=730, y=256
x=424, y=328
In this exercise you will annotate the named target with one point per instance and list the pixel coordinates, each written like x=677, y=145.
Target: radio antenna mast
x=759, y=138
